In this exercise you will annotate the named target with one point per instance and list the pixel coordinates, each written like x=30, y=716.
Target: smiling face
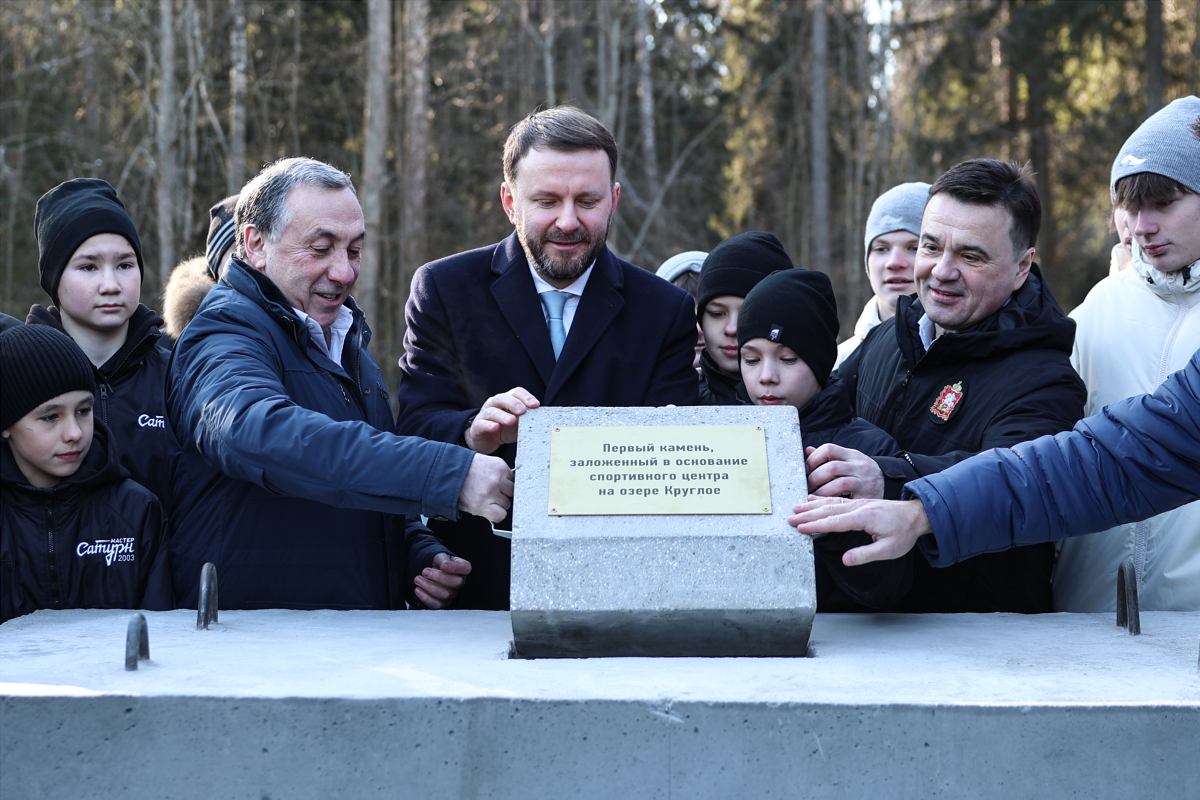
x=561, y=205
x=966, y=268
x=890, y=262
x=317, y=258
x=50, y=442
x=775, y=376
x=102, y=285
x=719, y=326
x=1168, y=230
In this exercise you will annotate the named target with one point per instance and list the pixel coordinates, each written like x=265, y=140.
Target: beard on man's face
x=564, y=266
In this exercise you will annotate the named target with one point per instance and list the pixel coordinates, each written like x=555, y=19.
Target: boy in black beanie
x=90, y=262
x=787, y=335
x=75, y=531
x=730, y=271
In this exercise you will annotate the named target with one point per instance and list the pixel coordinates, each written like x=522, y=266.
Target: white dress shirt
x=575, y=290
x=337, y=332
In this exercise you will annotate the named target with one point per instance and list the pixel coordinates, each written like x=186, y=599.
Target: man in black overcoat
x=549, y=316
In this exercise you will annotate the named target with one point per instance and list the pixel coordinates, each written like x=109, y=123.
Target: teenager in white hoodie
x=1135, y=328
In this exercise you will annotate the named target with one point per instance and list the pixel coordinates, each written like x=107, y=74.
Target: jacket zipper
x=104, y=403
x=1142, y=530
x=105, y=386
x=53, y=563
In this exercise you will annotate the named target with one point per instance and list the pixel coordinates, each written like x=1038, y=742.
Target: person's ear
x=616, y=196
x=1023, y=268
x=508, y=202
x=256, y=248
x=6, y=433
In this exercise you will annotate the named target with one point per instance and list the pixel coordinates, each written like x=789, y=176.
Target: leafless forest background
x=731, y=115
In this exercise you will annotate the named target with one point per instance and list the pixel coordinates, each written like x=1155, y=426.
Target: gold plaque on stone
x=668, y=469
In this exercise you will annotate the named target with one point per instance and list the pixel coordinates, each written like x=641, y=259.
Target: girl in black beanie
x=90, y=263
x=730, y=271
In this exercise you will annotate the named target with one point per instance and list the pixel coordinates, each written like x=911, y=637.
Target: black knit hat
x=70, y=214
x=222, y=229
x=38, y=363
x=736, y=265
x=797, y=309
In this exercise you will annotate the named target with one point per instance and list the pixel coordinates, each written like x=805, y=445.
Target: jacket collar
x=1163, y=284
x=1032, y=319
x=262, y=291
x=518, y=301
x=141, y=337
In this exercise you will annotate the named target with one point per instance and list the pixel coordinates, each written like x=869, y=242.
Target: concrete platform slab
x=290, y=704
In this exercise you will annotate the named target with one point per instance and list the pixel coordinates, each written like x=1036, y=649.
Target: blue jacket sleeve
x=226, y=397
x=1135, y=459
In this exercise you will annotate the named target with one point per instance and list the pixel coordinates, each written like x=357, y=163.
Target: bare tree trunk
x=237, y=98
x=294, y=100
x=192, y=123
x=820, y=139
x=608, y=53
x=575, y=62
x=646, y=111
x=544, y=39
x=416, y=140
x=374, y=176
x=164, y=140
x=1154, y=56
x=1039, y=148
x=92, y=87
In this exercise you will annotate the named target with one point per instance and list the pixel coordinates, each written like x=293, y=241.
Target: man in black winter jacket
x=75, y=531
x=90, y=261
x=979, y=359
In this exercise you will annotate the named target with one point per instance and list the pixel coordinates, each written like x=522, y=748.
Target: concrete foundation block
x=660, y=585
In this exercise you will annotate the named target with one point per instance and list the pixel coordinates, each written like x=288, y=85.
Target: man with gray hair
x=292, y=480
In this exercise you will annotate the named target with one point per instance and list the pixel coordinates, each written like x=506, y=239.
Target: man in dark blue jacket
x=292, y=480
x=1136, y=458
x=546, y=317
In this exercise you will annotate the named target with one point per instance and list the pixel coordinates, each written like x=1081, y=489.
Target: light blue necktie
x=554, y=302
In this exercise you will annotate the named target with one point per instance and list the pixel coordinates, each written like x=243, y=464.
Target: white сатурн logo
x=111, y=549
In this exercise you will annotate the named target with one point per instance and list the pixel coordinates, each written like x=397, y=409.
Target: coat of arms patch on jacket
x=948, y=401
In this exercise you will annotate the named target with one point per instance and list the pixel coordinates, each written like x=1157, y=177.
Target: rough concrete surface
x=292, y=704
x=660, y=585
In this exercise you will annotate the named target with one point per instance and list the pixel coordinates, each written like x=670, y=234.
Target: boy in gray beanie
x=890, y=242
x=1134, y=329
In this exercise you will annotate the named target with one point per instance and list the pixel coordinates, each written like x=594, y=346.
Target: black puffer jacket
x=716, y=388
x=96, y=540
x=829, y=419
x=1006, y=380
x=129, y=398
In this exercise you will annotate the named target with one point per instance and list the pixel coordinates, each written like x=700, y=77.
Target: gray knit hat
x=676, y=265
x=898, y=209
x=1164, y=145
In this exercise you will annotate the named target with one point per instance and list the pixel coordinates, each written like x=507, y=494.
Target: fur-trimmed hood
x=187, y=287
